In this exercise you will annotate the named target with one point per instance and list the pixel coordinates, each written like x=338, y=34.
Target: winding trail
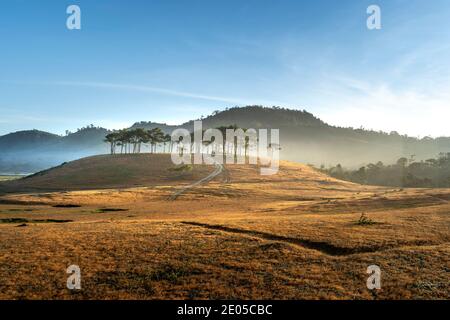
x=219, y=169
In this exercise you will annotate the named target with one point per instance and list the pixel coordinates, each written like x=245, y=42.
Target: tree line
x=131, y=140
x=431, y=173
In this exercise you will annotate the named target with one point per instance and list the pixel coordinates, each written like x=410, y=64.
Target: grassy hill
x=148, y=170
x=109, y=171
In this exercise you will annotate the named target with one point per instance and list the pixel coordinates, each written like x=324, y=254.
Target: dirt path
x=219, y=169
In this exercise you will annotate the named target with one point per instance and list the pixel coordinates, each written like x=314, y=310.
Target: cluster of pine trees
x=131, y=140
x=432, y=173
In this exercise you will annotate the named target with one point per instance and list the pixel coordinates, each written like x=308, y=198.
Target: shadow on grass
x=24, y=220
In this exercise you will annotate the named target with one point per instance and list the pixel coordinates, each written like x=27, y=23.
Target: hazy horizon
x=173, y=123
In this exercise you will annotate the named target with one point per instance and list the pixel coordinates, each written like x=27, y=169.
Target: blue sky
x=171, y=61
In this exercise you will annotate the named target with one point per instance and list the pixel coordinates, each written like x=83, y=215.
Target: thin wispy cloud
x=328, y=63
x=150, y=89
x=164, y=91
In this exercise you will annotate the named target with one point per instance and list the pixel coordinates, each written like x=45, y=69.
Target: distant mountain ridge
x=303, y=137
x=260, y=117
x=26, y=139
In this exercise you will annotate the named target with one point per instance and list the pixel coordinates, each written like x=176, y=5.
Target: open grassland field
x=294, y=235
x=9, y=177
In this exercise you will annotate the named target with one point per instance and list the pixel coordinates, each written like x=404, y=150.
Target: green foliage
x=432, y=173
x=131, y=140
x=364, y=220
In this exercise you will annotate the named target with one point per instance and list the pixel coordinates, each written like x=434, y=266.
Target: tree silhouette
x=112, y=138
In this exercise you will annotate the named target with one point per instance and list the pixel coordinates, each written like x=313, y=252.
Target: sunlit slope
x=148, y=170
x=109, y=171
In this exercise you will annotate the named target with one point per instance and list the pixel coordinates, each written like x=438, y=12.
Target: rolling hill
x=150, y=170
x=303, y=137
x=108, y=171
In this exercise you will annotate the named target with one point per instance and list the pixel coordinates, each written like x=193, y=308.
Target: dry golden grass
x=9, y=177
x=294, y=235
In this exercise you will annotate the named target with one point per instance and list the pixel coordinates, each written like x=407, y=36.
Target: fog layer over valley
x=303, y=138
